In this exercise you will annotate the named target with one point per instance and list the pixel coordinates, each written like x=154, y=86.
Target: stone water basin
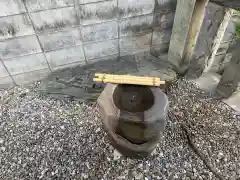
x=134, y=117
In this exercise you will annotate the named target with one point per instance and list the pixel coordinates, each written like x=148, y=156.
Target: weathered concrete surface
x=18, y=47
x=23, y=79
x=101, y=49
x=136, y=25
x=98, y=12
x=231, y=76
x=130, y=45
x=60, y=40
x=234, y=4
x=180, y=29
x=100, y=32
x=129, y=8
x=208, y=82
x=53, y=20
x=15, y=26
x=77, y=82
x=213, y=17
x=26, y=64
x=234, y=101
x=11, y=7
x=65, y=56
x=73, y=32
x=33, y=5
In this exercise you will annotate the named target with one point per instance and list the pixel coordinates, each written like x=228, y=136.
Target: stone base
x=77, y=81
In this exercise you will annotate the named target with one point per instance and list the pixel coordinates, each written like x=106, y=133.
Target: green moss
x=237, y=31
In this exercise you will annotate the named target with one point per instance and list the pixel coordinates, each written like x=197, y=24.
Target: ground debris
x=45, y=138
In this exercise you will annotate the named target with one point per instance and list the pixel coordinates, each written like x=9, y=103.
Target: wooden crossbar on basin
x=128, y=79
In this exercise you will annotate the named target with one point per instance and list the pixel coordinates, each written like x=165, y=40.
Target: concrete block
x=26, y=64
x=6, y=82
x=26, y=78
x=72, y=65
x=98, y=12
x=10, y=7
x=129, y=8
x=164, y=20
x=54, y=20
x=87, y=1
x=14, y=26
x=136, y=51
x=160, y=49
x=3, y=71
x=36, y=5
x=129, y=45
x=161, y=37
x=65, y=56
x=105, y=58
x=101, y=49
x=60, y=40
x=136, y=25
x=19, y=47
x=100, y=32
x=165, y=5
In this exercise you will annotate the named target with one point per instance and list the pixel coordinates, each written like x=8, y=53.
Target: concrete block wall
x=38, y=37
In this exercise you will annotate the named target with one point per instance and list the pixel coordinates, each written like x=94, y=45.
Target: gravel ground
x=45, y=138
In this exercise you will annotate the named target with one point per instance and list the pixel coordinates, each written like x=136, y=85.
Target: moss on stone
x=237, y=31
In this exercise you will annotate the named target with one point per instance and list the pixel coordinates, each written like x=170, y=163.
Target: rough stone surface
x=165, y=5
x=136, y=25
x=26, y=64
x=129, y=8
x=60, y=40
x=234, y=4
x=135, y=134
x=33, y=5
x=19, y=47
x=130, y=44
x=98, y=12
x=100, y=32
x=180, y=31
x=14, y=26
x=45, y=138
x=11, y=7
x=230, y=77
x=77, y=81
x=58, y=28
x=212, y=19
x=65, y=56
x=208, y=82
x=53, y=20
x=29, y=77
x=101, y=49
x=3, y=71
x=161, y=37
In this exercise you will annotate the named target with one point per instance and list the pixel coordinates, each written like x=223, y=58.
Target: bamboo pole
x=126, y=79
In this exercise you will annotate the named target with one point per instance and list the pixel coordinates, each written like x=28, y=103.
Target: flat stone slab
x=234, y=101
x=77, y=81
x=208, y=82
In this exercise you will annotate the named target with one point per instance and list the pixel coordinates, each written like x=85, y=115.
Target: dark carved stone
x=134, y=117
